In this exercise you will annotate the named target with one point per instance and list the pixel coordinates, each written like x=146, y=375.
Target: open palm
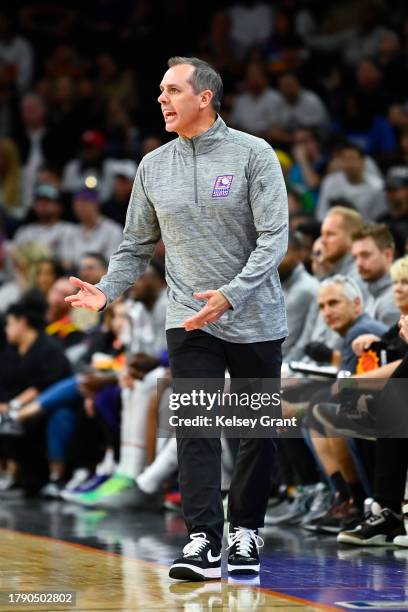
x=88, y=296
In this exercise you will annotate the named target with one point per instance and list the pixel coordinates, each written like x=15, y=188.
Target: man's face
x=91, y=270
x=288, y=263
x=122, y=187
x=338, y=312
x=334, y=238
x=289, y=87
x=351, y=162
x=57, y=307
x=401, y=294
x=85, y=211
x=47, y=210
x=372, y=263
x=16, y=328
x=398, y=202
x=32, y=111
x=147, y=286
x=179, y=103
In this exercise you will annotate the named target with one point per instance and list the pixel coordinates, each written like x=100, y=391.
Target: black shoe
x=354, y=419
x=243, y=546
x=9, y=426
x=340, y=517
x=200, y=560
x=379, y=528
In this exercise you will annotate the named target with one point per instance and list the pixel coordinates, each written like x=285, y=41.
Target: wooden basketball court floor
x=119, y=561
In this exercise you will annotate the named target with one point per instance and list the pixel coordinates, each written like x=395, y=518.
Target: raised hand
x=216, y=305
x=88, y=296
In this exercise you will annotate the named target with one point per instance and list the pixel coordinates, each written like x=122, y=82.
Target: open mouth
x=169, y=115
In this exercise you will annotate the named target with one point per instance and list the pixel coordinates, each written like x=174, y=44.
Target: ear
x=206, y=97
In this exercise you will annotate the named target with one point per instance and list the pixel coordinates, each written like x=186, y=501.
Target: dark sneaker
x=200, y=560
x=243, y=547
x=9, y=426
x=322, y=501
x=53, y=489
x=379, y=528
x=355, y=419
x=345, y=516
x=402, y=540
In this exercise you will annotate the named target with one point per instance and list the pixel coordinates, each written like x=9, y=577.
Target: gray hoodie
x=219, y=202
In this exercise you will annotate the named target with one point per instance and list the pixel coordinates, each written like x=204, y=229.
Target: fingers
x=77, y=282
x=204, y=295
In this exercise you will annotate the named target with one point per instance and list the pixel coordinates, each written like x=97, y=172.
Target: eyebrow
x=161, y=87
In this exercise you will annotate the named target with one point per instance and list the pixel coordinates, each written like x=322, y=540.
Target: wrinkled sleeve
x=140, y=236
x=269, y=203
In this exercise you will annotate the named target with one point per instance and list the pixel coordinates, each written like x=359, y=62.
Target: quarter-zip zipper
x=195, y=173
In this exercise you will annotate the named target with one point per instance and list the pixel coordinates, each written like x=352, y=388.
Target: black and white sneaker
x=379, y=528
x=200, y=560
x=243, y=546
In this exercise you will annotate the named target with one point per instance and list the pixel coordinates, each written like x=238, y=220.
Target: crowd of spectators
x=326, y=85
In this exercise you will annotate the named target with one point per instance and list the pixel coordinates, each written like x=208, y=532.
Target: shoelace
x=371, y=519
x=244, y=538
x=198, y=542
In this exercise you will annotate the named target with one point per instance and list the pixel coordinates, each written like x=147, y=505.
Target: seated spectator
x=297, y=107
x=48, y=271
x=37, y=144
x=59, y=316
x=48, y=230
x=310, y=164
x=24, y=261
x=116, y=207
x=299, y=289
x=17, y=52
x=251, y=24
x=372, y=133
x=254, y=110
x=373, y=252
x=365, y=191
x=94, y=232
x=32, y=363
x=10, y=183
x=318, y=341
x=90, y=169
x=396, y=216
x=308, y=232
x=341, y=304
x=92, y=266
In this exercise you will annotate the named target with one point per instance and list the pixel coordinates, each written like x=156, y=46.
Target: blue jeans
x=58, y=405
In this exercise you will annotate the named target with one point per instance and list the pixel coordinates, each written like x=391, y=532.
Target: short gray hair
x=203, y=77
x=348, y=285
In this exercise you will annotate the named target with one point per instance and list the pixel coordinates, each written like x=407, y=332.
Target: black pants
x=392, y=453
x=198, y=354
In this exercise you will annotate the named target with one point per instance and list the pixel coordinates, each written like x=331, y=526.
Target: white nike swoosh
x=210, y=557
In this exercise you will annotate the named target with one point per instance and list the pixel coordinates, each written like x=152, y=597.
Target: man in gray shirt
x=217, y=198
x=373, y=251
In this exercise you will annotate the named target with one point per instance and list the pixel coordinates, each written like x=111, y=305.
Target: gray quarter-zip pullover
x=219, y=202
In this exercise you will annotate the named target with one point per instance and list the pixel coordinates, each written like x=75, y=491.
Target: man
x=341, y=304
x=299, y=289
x=254, y=110
x=94, y=232
x=49, y=230
x=373, y=252
x=297, y=107
x=317, y=340
x=396, y=217
x=116, y=207
x=60, y=323
x=364, y=190
x=32, y=363
x=218, y=199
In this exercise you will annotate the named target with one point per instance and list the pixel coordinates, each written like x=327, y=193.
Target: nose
x=162, y=98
